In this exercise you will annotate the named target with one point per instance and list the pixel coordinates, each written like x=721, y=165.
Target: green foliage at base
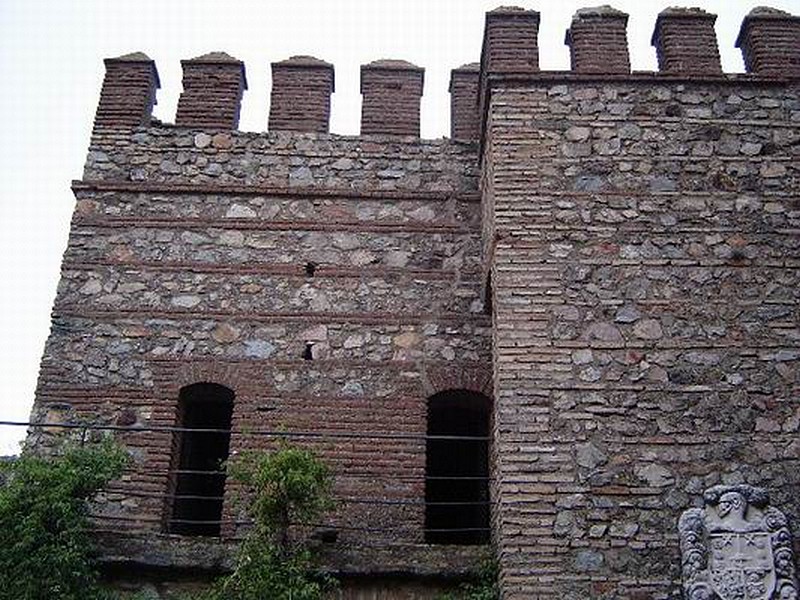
x=262, y=571
x=483, y=587
x=45, y=548
x=290, y=487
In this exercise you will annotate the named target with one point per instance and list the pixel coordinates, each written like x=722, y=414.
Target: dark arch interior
x=457, y=470
x=197, y=505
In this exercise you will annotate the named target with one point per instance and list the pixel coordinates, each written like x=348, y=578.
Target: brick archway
x=473, y=378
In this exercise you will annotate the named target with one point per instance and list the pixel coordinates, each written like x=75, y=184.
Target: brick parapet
x=391, y=91
x=685, y=42
x=333, y=163
x=598, y=41
x=770, y=43
x=301, y=95
x=128, y=93
x=464, y=110
x=213, y=85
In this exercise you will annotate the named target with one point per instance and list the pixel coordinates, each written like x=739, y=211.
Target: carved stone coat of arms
x=736, y=548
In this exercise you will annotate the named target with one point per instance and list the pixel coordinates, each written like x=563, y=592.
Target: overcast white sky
x=51, y=69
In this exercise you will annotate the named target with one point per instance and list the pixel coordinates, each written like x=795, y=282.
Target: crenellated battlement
x=213, y=84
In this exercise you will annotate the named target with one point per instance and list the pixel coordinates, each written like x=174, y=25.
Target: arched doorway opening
x=204, y=414
x=457, y=468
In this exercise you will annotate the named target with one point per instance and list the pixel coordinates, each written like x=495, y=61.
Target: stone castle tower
x=551, y=331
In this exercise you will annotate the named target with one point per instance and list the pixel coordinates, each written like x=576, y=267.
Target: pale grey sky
x=51, y=69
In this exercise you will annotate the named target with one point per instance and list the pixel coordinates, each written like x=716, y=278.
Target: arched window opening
x=457, y=469
x=200, y=483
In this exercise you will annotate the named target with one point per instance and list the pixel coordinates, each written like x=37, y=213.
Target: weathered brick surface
x=391, y=92
x=128, y=93
x=598, y=41
x=464, y=111
x=301, y=95
x=213, y=85
x=685, y=42
x=770, y=42
x=645, y=320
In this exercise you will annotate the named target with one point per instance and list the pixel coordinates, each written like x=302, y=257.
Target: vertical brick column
x=128, y=93
x=212, y=91
x=391, y=91
x=686, y=42
x=510, y=44
x=301, y=95
x=598, y=41
x=464, y=102
x=770, y=42
x=510, y=40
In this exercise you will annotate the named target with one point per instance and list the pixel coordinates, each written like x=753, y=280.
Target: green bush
x=45, y=548
x=484, y=586
x=289, y=487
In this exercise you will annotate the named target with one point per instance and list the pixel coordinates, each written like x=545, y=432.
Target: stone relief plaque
x=736, y=547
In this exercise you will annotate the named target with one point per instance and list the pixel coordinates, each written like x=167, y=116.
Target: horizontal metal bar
x=267, y=433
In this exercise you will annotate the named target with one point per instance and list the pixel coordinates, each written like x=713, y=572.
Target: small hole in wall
x=738, y=256
x=487, y=297
x=326, y=536
x=307, y=353
x=310, y=268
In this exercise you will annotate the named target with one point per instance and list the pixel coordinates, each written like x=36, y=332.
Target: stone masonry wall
x=220, y=256
x=644, y=255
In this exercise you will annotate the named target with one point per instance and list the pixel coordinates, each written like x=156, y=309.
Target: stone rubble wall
x=188, y=261
x=180, y=157
x=643, y=244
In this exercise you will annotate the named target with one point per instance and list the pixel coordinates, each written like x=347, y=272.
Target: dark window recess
x=457, y=470
x=310, y=268
x=308, y=353
x=200, y=484
x=487, y=303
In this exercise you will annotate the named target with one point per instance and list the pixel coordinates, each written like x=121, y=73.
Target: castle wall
x=188, y=261
x=643, y=248
x=634, y=235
